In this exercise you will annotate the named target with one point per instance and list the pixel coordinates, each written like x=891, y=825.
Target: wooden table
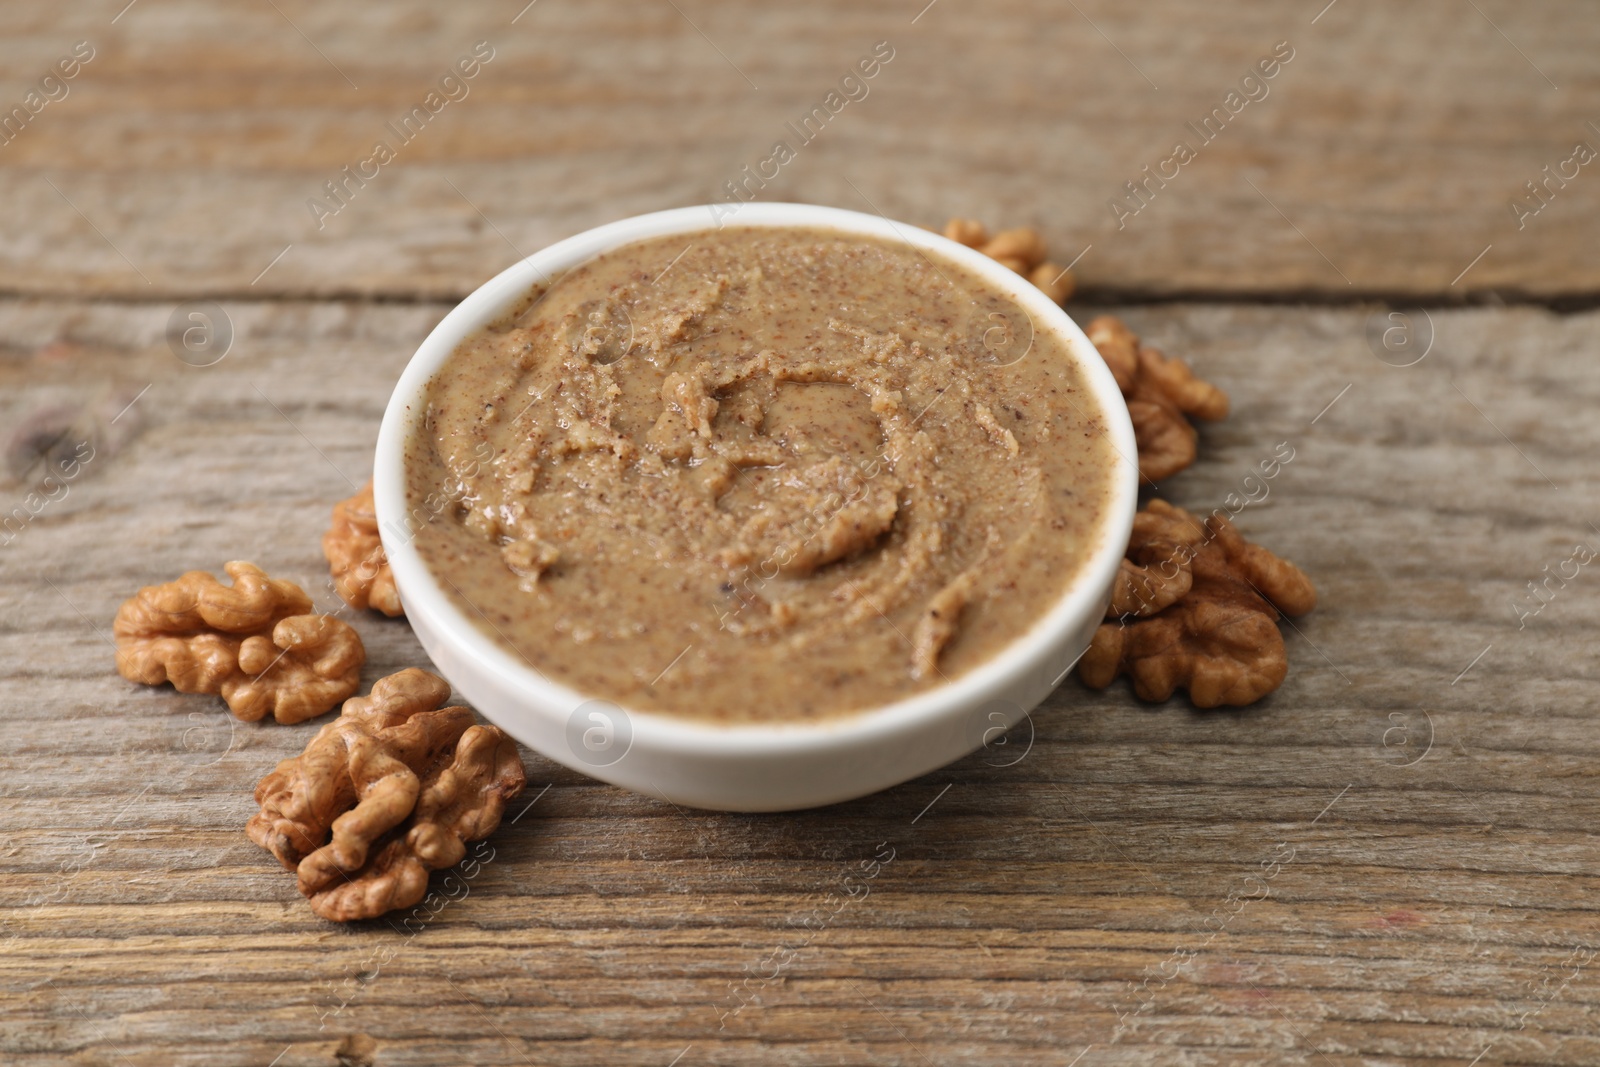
x=1393, y=859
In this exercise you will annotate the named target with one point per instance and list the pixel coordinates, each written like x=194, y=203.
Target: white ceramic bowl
x=760, y=767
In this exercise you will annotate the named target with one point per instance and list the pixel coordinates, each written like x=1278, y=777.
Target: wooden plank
x=1439, y=803
x=1383, y=159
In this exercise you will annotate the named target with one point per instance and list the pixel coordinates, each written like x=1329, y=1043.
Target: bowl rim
x=423, y=594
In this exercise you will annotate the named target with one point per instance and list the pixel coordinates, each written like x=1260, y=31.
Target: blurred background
x=182, y=157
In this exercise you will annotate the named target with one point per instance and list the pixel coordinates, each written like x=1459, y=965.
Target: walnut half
x=356, y=560
x=256, y=643
x=1021, y=249
x=1196, y=606
x=389, y=791
x=1161, y=394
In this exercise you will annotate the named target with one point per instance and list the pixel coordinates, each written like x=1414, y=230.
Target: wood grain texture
x=1383, y=161
x=1106, y=895
x=1391, y=860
